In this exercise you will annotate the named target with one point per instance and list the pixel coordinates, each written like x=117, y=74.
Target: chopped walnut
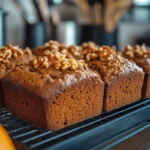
x=65, y=65
x=15, y=52
x=36, y=64
x=90, y=45
x=91, y=51
x=27, y=51
x=53, y=46
x=136, y=52
x=130, y=54
x=94, y=56
x=58, y=60
x=108, y=60
x=64, y=51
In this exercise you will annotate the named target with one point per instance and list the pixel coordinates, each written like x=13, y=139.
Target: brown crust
x=122, y=90
x=11, y=56
x=52, y=83
x=146, y=87
x=78, y=102
x=141, y=56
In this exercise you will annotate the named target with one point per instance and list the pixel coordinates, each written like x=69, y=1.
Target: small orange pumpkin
x=5, y=140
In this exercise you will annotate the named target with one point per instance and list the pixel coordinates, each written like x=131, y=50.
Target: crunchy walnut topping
x=111, y=68
x=90, y=45
x=51, y=42
x=58, y=60
x=54, y=46
x=91, y=51
x=73, y=51
x=27, y=51
x=106, y=58
x=10, y=51
x=136, y=52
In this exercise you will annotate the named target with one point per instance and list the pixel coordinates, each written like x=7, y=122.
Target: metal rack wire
x=33, y=138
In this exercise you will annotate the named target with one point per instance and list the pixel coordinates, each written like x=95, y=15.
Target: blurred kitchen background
x=106, y=22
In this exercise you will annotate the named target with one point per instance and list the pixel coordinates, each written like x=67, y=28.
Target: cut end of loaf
x=123, y=90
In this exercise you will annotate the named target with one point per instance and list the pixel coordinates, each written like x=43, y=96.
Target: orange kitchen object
x=5, y=140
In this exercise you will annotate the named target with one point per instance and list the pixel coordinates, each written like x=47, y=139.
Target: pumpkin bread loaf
x=10, y=56
x=53, y=91
x=141, y=56
x=123, y=79
x=113, y=68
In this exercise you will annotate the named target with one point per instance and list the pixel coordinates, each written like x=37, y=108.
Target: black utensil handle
x=35, y=34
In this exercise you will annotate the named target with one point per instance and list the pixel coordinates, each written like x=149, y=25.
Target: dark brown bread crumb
x=53, y=98
x=141, y=56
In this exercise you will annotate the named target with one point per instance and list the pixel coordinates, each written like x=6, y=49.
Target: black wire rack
x=97, y=131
